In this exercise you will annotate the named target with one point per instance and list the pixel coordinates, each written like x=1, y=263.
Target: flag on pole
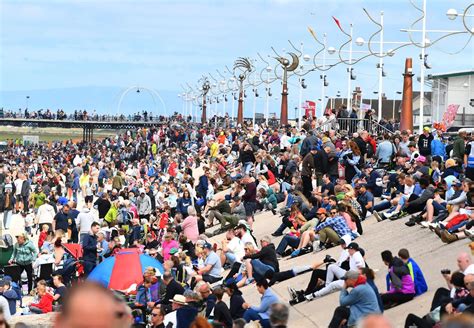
x=337, y=22
x=450, y=115
x=312, y=32
x=310, y=108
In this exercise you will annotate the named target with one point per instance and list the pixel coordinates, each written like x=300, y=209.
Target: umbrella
x=126, y=268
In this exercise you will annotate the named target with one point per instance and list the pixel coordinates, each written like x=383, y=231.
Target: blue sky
x=81, y=54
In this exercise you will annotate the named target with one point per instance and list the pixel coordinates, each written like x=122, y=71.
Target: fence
x=351, y=125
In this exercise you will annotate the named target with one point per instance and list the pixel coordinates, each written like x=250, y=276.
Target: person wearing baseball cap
x=335, y=271
x=356, y=304
x=424, y=142
x=211, y=272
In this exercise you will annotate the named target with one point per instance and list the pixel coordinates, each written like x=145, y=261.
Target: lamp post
x=324, y=83
x=205, y=89
x=233, y=89
x=224, y=99
x=287, y=67
x=302, y=86
x=216, y=111
x=268, y=93
x=451, y=14
x=349, y=76
x=240, y=109
x=245, y=66
x=27, y=101
x=393, y=105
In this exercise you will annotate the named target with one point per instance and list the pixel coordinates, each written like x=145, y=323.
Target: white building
x=454, y=88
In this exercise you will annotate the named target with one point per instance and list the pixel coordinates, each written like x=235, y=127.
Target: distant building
x=427, y=117
x=390, y=107
x=454, y=88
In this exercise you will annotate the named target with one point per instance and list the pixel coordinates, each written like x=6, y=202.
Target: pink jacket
x=190, y=228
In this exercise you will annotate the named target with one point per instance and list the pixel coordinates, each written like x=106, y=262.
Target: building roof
x=452, y=74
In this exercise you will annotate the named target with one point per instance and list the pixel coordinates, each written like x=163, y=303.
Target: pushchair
x=73, y=269
x=6, y=246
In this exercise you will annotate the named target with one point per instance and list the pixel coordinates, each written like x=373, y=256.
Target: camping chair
x=45, y=272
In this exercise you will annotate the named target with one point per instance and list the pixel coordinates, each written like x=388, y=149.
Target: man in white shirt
x=356, y=262
x=45, y=214
x=465, y=264
x=84, y=221
x=232, y=249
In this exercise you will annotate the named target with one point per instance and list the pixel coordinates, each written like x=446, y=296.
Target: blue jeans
x=252, y=315
x=287, y=240
x=7, y=219
x=247, y=167
x=383, y=205
x=285, y=186
x=259, y=269
x=230, y=257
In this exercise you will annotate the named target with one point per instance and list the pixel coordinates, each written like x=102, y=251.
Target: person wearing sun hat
x=177, y=302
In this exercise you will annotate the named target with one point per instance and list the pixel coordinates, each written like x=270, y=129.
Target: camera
x=445, y=271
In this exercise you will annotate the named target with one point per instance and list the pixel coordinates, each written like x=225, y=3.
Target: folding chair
x=45, y=272
x=13, y=271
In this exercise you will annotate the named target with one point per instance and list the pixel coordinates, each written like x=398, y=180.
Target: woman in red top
x=45, y=303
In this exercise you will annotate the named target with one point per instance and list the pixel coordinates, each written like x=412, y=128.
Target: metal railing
x=351, y=125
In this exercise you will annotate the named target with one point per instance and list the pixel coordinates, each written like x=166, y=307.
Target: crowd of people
x=85, y=115
x=188, y=196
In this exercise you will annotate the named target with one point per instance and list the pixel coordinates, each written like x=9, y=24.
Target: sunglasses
x=155, y=314
x=333, y=212
x=246, y=249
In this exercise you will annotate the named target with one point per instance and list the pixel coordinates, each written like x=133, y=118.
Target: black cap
x=353, y=246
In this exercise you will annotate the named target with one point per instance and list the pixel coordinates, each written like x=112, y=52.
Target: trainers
x=469, y=233
x=274, y=212
x=425, y=224
x=309, y=297
x=402, y=214
x=432, y=226
x=388, y=215
x=410, y=223
x=292, y=293
x=320, y=248
x=377, y=216
x=295, y=253
x=249, y=281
